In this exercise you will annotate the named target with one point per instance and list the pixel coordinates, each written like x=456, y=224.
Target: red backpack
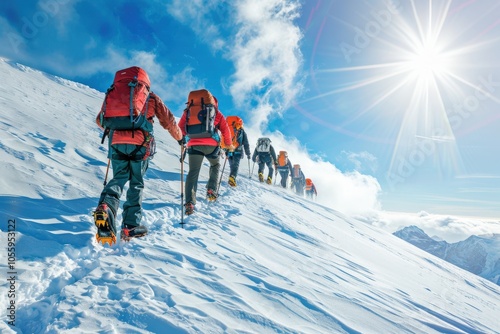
x=125, y=103
x=201, y=111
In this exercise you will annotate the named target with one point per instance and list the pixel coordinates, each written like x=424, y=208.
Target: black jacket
x=265, y=156
x=243, y=143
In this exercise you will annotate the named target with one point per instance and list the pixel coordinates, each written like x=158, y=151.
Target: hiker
x=240, y=143
x=264, y=155
x=298, y=180
x=129, y=152
x=284, y=167
x=310, y=189
x=201, y=123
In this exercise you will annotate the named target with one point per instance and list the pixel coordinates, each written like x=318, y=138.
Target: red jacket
x=157, y=108
x=220, y=123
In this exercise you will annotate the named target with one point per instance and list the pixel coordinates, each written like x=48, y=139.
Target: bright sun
x=415, y=87
x=427, y=61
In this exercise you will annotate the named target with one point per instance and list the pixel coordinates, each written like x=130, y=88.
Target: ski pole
x=107, y=170
x=183, y=156
x=220, y=178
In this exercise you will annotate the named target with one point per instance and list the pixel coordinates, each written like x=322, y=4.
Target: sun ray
x=370, y=81
x=386, y=95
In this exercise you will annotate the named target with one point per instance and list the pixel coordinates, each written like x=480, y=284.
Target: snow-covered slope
x=478, y=254
x=260, y=260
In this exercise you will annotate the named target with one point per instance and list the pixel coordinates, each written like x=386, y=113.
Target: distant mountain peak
x=478, y=254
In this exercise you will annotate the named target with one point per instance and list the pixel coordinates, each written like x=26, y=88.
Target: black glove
x=182, y=141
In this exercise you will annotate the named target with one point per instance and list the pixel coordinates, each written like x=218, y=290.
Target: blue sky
x=404, y=91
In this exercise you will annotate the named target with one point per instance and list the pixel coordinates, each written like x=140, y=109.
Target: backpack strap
x=132, y=84
x=138, y=147
x=186, y=111
x=105, y=98
x=103, y=112
x=105, y=134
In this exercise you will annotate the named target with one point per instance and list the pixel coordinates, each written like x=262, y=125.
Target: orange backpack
x=309, y=184
x=201, y=111
x=282, y=159
x=235, y=123
x=296, y=171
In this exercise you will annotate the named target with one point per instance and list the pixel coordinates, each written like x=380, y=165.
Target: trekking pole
x=275, y=175
x=220, y=178
x=253, y=166
x=106, y=176
x=183, y=156
x=249, y=176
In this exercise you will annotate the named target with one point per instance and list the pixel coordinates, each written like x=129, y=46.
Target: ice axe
x=183, y=156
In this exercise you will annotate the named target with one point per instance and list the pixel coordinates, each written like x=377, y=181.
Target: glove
x=182, y=141
x=231, y=148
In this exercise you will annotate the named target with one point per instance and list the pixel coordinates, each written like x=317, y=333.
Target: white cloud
x=350, y=193
x=449, y=228
x=12, y=42
x=61, y=12
x=266, y=55
x=362, y=161
x=196, y=14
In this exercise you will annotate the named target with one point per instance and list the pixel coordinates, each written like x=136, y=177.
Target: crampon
x=105, y=234
x=133, y=232
x=211, y=195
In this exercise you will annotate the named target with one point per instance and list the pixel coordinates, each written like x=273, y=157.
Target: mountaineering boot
x=232, y=181
x=211, y=196
x=104, y=220
x=130, y=231
x=269, y=180
x=261, y=177
x=189, y=208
